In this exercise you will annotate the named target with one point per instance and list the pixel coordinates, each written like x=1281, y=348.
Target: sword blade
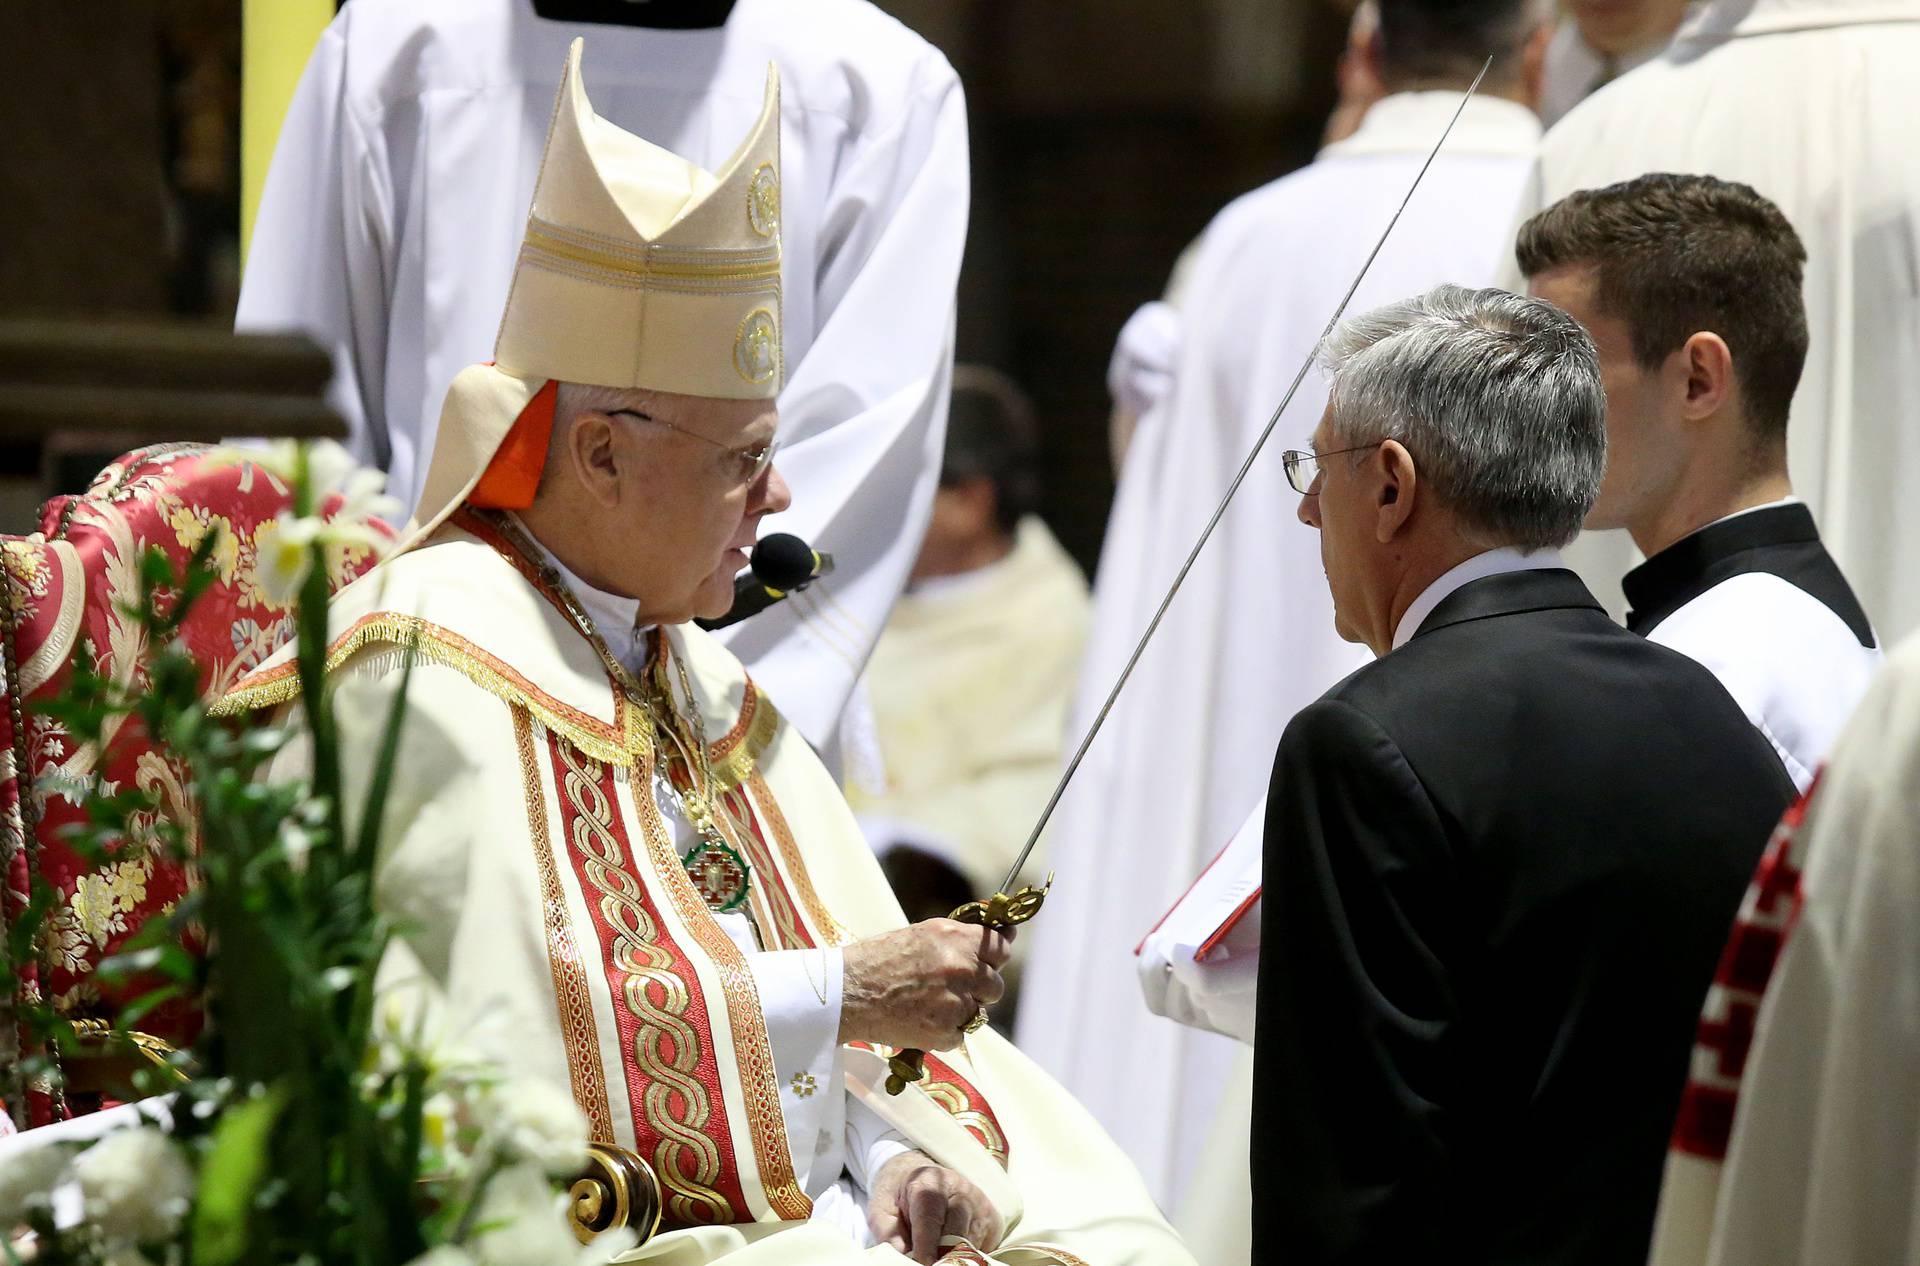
x=1253, y=454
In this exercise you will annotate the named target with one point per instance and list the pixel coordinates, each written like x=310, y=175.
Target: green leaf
x=376, y=802
x=169, y=960
x=235, y=1164
x=141, y=1007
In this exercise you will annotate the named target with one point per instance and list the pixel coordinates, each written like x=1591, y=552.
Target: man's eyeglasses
x=753, y=462
x=1302, y=466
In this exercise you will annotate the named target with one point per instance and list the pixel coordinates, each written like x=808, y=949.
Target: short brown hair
x=1675, y=255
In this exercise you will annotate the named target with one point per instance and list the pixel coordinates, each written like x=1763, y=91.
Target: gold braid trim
x=666, y=1048
x=979, y=1124
x=827, y=929
x=622, y=743
x=759, y=1087
x=570, y=988
x=1054, y=1253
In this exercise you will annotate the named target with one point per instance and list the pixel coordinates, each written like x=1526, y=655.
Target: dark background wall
x=1106, y=133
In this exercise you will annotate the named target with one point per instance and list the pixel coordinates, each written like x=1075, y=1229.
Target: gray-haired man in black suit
x=1501, y=860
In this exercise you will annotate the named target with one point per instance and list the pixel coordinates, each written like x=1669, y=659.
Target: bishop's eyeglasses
x=753, y=462
x=1302, y=465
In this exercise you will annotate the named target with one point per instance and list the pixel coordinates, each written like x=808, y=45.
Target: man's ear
x=1395, y=486
x=593, y=455
x=1708, y=363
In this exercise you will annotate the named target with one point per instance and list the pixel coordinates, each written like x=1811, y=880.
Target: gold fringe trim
x=436, y=645
x=735, y=757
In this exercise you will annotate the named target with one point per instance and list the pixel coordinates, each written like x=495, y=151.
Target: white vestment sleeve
x=871, y=1142
x=326, y=206
x=800, y=994
x=864, y=413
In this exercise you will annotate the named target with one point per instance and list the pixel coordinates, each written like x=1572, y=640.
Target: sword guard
x=1004, y=910
x=1001, y=910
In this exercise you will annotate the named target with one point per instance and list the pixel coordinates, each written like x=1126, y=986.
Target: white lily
x=284, y=549
x=534, y=1121
x=28, y=1178
x=135, y=1186
x=524, y=1221
x=362, y=498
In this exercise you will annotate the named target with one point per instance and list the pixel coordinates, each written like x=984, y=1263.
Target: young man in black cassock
x=1690, y=287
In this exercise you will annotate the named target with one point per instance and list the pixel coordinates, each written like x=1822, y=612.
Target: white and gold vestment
x=549, y=919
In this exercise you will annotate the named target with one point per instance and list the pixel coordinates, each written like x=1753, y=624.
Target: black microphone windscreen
x=782, y=561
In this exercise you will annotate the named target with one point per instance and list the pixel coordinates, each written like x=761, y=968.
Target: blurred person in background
x=1184, y=757
x=399, y=192
x=1690, y=287
x=1597, y=42
x=1141, y=369
x=971, y=679
x=1812, y=103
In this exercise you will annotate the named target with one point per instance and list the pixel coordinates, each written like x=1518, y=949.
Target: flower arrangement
x=314, y=1121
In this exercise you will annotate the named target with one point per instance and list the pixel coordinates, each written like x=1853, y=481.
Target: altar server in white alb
x=1186, y=754
x=399, y=190
x=619, y=870
x=1813, y=103
x=1690, y=287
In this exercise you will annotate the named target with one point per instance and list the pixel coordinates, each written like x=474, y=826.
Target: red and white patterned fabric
x=68, y=584
x=1725, y=1034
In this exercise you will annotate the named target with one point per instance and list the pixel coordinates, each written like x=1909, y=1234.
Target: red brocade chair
x=64, y=586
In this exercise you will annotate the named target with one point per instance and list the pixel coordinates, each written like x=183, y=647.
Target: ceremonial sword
x=1005, y=908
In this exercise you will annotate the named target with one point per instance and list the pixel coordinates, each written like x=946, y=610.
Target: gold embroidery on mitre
x=763, y=200
x=756, y=347
x=598, y=257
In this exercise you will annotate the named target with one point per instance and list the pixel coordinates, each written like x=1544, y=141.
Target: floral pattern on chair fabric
x=68, y=583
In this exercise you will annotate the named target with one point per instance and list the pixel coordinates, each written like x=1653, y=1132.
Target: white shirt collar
x=1788, y=500
x=613, y=616
x=1410, y=122
x=1493, y=562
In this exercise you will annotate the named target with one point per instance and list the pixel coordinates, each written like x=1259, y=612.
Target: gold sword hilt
x=1001, y=910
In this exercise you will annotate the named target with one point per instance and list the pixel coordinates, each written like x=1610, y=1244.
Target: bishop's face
x=691, y=500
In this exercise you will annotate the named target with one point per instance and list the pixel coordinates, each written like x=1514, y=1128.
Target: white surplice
x=1816, y=104
x=1190, y=744
x=399, y=192
x=1823, y=1168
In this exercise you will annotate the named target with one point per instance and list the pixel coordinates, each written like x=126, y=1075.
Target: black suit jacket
x=1501, y=862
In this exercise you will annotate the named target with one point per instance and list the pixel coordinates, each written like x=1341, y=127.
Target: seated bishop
x=616, y=867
